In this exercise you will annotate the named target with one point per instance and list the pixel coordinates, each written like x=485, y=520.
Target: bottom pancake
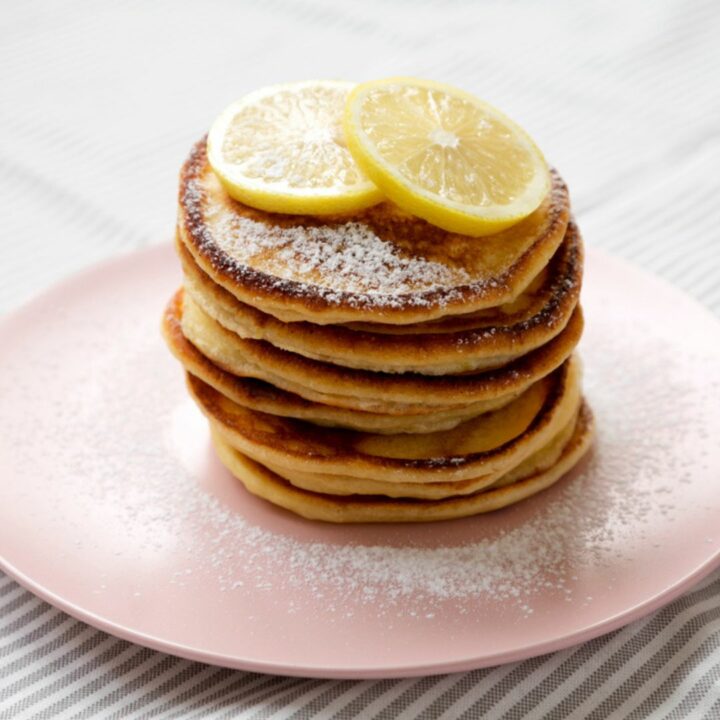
x=494, y=443
x=325, y=484
x=266, y=484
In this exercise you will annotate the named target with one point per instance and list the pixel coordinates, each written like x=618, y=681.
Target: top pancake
x=380, y=265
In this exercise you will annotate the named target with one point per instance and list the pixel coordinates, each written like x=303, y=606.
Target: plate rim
x=465, y=664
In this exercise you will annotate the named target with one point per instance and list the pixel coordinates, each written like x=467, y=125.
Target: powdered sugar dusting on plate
x=133, y=450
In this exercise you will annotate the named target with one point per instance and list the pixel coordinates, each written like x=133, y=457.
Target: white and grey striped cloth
x=100, y=103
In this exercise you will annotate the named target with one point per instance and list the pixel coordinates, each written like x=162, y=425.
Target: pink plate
x=114, y=508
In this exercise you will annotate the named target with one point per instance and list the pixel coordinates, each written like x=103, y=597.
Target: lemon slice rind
x=411, y=196
x=278, y=194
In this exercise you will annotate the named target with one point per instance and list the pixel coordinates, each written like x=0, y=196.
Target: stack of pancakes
x=374, y=367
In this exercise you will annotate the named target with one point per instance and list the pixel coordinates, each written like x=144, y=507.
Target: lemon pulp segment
x=444, y=155
x=282, y=149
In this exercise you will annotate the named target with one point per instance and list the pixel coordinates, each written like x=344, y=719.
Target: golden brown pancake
x=262, y=396
x=262, y=482
x=379, y=265
x=329, y=484
x=387, y=393
x=484, y=340
x=494, y=442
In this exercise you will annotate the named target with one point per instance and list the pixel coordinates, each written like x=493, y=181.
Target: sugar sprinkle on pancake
x=460, y=344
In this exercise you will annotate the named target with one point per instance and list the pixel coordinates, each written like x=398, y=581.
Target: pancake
x=328, y=484
x=379, y=265
x=484, y=340
x=262, y=396
x=262, y=482
x=493, y=442
x=376, y=392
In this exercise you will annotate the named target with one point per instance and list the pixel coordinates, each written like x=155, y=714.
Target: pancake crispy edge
x=264, y=397
x=262, y=482
x=485, y=346
x=297, y=445
x=389, y=393
x=326, y=484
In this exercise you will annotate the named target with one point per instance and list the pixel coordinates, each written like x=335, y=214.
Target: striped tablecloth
x=100, y=103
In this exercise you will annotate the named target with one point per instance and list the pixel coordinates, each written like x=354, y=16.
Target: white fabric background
x=99, y=104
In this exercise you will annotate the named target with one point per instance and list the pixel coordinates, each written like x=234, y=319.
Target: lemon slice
x=444, y=155
x=282, y=149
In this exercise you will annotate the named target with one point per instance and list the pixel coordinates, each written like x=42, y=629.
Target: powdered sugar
x=128, y=456
x=335, y=258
